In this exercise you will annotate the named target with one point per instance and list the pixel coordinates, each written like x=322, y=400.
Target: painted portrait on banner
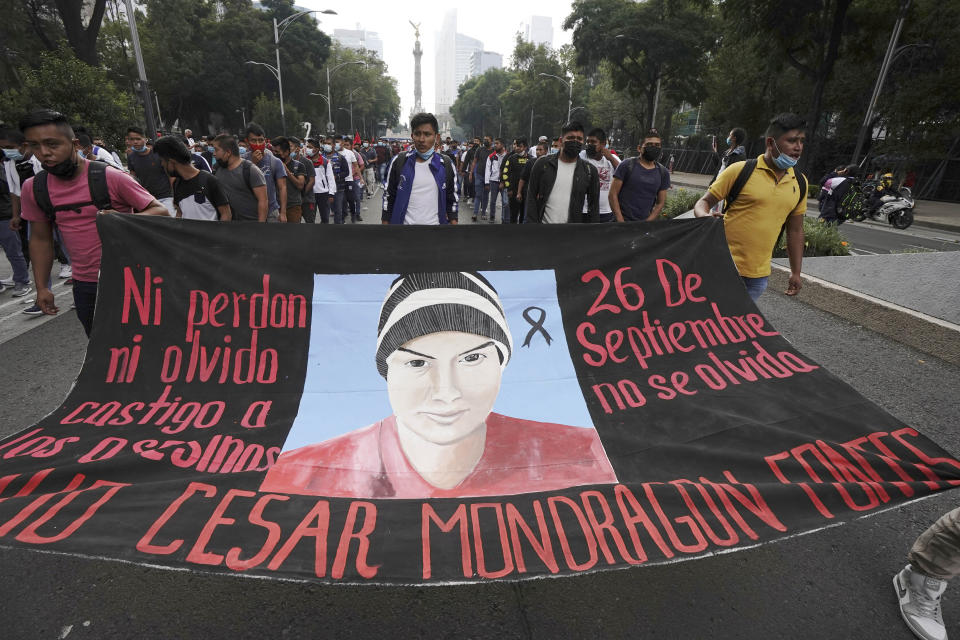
x=466, y=389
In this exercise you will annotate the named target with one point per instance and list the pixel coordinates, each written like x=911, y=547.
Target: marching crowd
x=58, y=178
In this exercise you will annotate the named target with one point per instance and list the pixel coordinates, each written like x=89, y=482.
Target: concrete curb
x=934, y=336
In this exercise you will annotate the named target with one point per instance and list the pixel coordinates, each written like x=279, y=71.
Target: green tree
x=654, y=48
x=85, y=94
x=477, y=108
x=266, y=113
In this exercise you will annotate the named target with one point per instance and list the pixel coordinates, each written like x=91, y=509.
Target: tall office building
x=480, y=61
x=359, y=39
x=540, y=30
x=466, y=48
x=444, y=67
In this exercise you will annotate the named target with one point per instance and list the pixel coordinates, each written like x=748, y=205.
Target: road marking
x=863, y=252
x=14, y=323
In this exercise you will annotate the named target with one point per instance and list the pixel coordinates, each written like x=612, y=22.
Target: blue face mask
x=244, y=153
x=13, y=154
x=210, y=149
x=554, y=150
x=783, y=161
x=140, y=149
x=337, y=146
x=327, y=148
x=425, y=156
x=728, y=141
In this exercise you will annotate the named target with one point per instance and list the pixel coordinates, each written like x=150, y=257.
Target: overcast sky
x=494, y=22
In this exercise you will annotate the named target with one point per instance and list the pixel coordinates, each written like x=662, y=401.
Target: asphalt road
x=834, y=583
x=869, y=238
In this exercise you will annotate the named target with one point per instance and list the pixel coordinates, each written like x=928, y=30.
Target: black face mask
x=651, y=153
x=66, y=168
x=572, y=148
x=592, y=150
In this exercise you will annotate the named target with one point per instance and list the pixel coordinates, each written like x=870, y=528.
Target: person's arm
x=309, y=178
x=331, y=181
x=531, y=214
x=226, y=215
x=452, y=214
x=520, y=185
x=614, y=160
x=15, y=209
x=658, y=205
x=614, y=198
x=41, y=255
x=179, y=212
x=794, y=252
x=593, y=195
x=152, y=209
x=282, y=197
x=297, y=181
x=704, y=204
x=261, y=194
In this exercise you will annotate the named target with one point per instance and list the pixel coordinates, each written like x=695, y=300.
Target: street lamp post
x=330, y=125
x=884, y=70
x=243, y=111
x=142, y=85
x=278, y=30
x=569, y=95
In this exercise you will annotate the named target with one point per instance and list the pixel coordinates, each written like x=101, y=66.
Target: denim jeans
x=383, y=167
x=85, y=300
x=10, y=241
x=338, y=205
x=323, y=207
x=755, y=286
x=357, y=195
x=494, y=196
x=936, y=552
x=480, y=198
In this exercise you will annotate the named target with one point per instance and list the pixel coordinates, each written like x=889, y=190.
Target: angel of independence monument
x=417, y=54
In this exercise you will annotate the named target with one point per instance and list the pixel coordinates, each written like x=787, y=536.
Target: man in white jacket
x=492, y=181
x=324, y=186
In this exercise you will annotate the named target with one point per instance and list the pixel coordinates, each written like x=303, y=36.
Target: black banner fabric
x=441, y=405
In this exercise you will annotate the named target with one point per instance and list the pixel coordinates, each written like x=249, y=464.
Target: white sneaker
x=20, y=290
x=919, y=598
x=66, y=271
x=6, y=282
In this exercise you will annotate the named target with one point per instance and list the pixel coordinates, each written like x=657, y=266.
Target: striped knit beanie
x=419, y=304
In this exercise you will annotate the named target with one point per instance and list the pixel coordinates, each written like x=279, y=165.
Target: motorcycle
x=897, y=209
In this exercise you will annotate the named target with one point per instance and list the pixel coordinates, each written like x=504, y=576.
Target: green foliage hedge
x=819, y=239
x=679, y=201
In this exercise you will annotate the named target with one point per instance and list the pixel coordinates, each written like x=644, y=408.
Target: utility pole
x=142, y=85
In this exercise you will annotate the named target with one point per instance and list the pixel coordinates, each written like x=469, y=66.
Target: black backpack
x=745, y=174
x=96, y=181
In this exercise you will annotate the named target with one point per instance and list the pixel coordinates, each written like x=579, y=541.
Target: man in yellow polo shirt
x=771, y=196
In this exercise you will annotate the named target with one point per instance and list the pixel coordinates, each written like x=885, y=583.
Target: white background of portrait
x=344, y=392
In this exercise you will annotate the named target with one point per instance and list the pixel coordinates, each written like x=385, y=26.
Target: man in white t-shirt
x=421, y=183
x=599, y=156
x=563, y=186
x=352, y=196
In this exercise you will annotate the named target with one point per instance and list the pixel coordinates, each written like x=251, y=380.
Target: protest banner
x=441, y=405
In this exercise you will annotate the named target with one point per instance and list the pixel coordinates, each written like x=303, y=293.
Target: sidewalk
x=927, y=213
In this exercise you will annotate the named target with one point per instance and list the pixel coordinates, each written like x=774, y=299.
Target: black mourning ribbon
x=536, y=325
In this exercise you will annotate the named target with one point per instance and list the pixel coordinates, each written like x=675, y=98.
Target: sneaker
x=359, y=218
x=474, y=219
x=919, y=598
x=3, y=287
x=7, y=282
x=20, y=290
x=33, y=311
x=66, y=271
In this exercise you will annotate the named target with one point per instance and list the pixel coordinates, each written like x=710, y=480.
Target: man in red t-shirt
x=49, y=135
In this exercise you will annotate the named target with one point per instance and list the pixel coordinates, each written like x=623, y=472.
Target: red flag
x=356, y=137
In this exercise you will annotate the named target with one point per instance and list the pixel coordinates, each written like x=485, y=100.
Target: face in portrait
x=443, y=345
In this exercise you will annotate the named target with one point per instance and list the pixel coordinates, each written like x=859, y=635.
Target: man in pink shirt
x=68, y=189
